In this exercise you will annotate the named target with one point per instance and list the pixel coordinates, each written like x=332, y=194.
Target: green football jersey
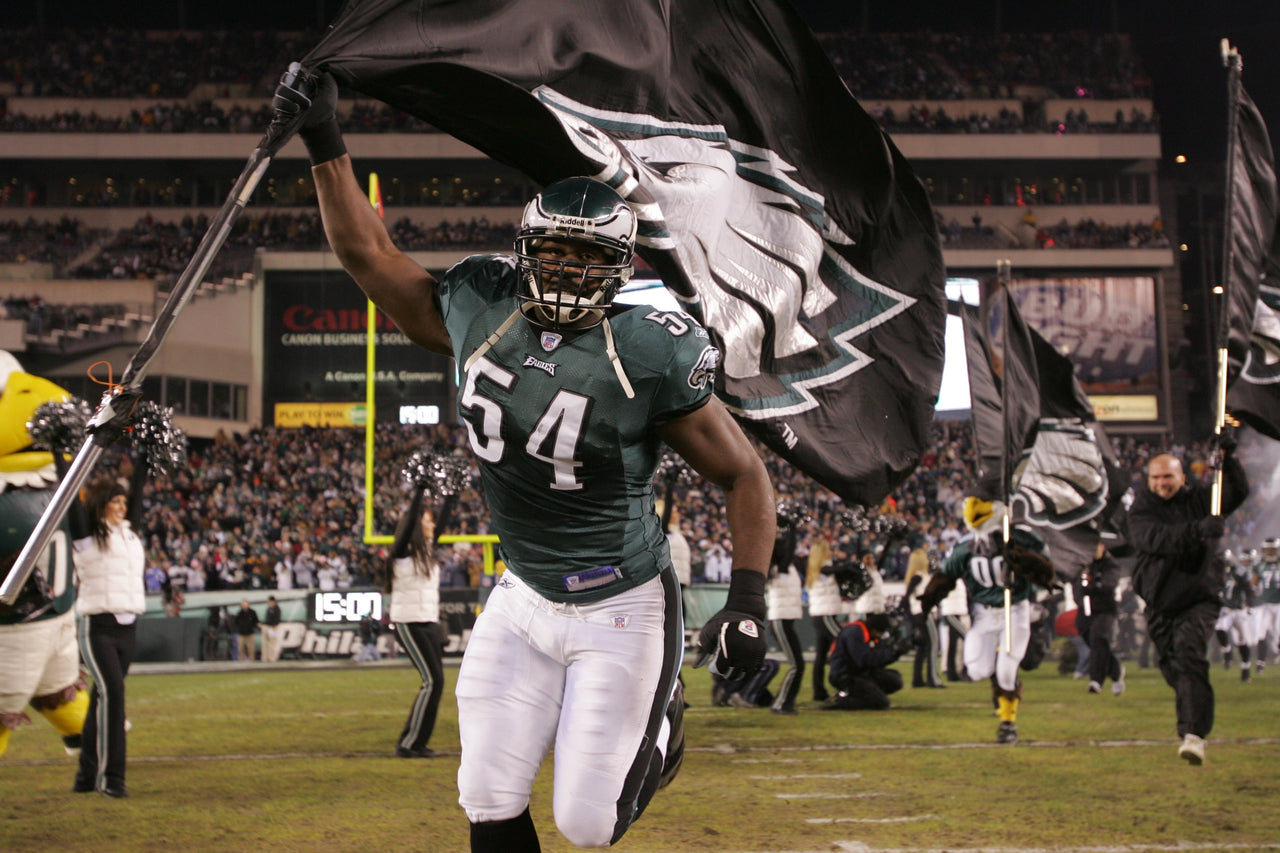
x=1268, y=583
x=20, y=511
x=566, y=458
x=983, y=573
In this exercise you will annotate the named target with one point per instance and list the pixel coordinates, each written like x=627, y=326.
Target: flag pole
x=1004, y=274
x=1231, y=59
x=114, y=412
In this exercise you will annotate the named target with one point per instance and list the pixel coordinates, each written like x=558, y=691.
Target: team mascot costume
x=39, y=660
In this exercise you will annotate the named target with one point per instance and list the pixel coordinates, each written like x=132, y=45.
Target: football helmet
x=559, y=293
x=1271, y=548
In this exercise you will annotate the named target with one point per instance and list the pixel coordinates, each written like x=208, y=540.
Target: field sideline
x=298, y=758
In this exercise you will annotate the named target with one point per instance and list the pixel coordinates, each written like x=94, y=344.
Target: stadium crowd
x=286, y=506
x=116, y=63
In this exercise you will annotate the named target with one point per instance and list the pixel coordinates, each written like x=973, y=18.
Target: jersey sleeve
x=472, y=284
x=688, y=379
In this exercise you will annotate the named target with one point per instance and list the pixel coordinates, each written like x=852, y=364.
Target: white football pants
x=984, y=644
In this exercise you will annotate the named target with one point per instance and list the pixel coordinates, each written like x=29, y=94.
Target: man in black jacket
x=859, y=663
x=1179, y=574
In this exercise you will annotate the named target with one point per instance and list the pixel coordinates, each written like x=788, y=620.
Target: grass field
x=300, y=760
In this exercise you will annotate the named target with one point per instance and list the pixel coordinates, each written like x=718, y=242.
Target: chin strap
x=609, y=348
x=617, y=363
x=491, y=340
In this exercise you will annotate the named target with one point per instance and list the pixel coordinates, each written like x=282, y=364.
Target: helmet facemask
x=558, y=292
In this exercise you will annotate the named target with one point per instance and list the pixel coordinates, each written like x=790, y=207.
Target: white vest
x=824, y=597
x=110, y=577
x=414, y=596
x=782, y=596
x=873, y=600
x=681, y=557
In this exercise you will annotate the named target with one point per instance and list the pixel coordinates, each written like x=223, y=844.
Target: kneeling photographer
x=860, y=659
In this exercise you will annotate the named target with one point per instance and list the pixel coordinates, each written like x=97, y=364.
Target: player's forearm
x=749, y=507
x=350, y=222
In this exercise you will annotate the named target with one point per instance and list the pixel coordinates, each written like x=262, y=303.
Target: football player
x=1235, y=625
x=982, y=560
x=567, y=399
x=39, y=660
x=1267, y=610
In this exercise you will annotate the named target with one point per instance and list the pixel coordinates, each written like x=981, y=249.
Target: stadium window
x=221, y=401
x=198, y=398
x=153, y=389
x=175, y=394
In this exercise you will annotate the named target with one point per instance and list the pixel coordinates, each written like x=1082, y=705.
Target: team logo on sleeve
x=704, y=372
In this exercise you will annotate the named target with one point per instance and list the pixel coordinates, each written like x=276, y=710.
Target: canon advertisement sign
x=315, y=330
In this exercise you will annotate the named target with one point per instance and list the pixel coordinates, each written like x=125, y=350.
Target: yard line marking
x=861, y=796
x=728, y=749
x=903, y=819
x=809, y=775
x=1180, y=847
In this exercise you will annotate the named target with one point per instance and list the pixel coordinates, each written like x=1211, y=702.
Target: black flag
x=1003, y=388
x=770, y=203
x=1251, y=266
x=1071, y=483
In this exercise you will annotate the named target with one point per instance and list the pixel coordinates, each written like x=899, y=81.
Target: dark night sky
x=1177, y=39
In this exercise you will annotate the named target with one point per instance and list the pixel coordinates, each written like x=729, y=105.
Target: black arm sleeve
x=412, y=516
x=668, y=504
x=445, y=516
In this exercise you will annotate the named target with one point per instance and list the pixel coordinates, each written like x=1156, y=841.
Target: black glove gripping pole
x=113, y=415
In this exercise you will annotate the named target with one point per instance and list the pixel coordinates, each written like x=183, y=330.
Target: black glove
x=733, y=640
x=1211, y=527
x=306, y=103
x=1227, y=440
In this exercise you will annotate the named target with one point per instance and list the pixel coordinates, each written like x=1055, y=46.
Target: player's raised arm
x=393, y=280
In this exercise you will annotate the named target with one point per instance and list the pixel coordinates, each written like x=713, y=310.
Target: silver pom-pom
x=162, y=445
x=793, y=511
x=59, y=427
x=862, y=521
x=441, y=474
x=673, y=469
x=857, y=520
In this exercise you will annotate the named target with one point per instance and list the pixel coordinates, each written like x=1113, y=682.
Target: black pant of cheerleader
x=107, y=649
x=784, y=632
x=422, y=643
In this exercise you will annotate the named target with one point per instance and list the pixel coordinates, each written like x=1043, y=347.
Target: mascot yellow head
x=978, y=512
x=20, y=395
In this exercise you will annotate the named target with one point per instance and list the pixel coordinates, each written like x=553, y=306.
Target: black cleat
x=1007, y=733
x=416, y=752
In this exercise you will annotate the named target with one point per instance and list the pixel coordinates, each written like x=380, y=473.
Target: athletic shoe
x=789, y=710
x=1245, y=677
x=115, y=792
x=1078, y=675
x=81, y=787
x=1192, y=750
x=736, y=701
x=1007, y=733
x=1095, y=687
x=719, y=696
x=71, y=744
x=416, y=752
x=1261, y=665
x=1117, y=686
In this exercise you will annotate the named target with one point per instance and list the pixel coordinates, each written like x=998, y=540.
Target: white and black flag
x=770, y=204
